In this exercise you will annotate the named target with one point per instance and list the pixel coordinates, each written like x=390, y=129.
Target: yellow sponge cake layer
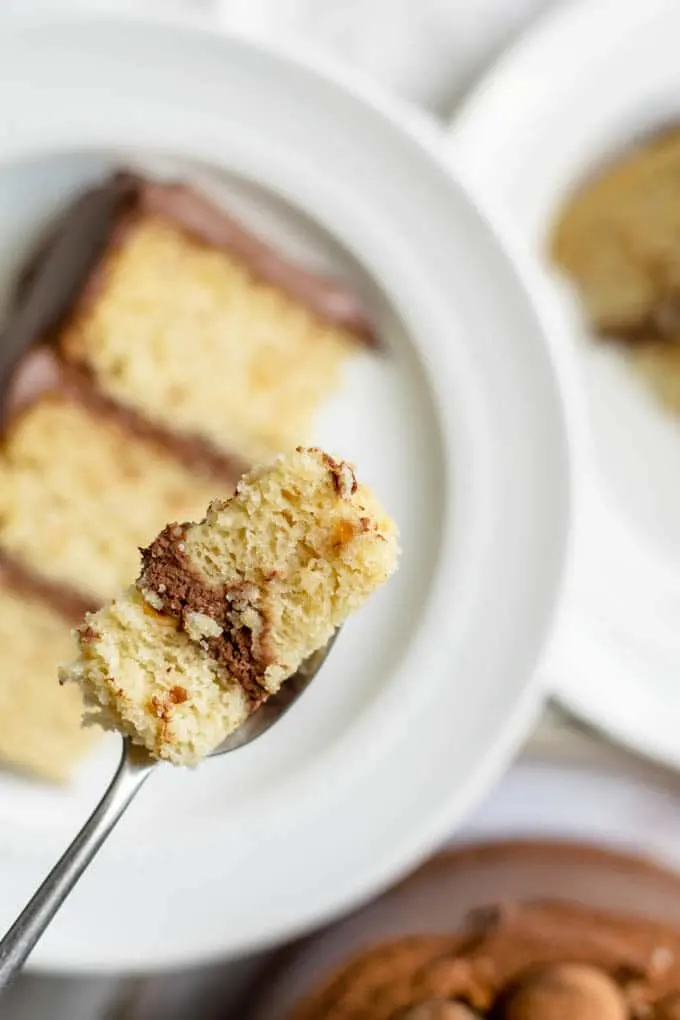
x=226, y=610
x=40, y=722
x=183, y=332
x=142, y=676
x=300, y=547
x=199, y=326
x=79, y=493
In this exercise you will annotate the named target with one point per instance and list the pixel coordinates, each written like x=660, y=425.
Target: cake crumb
x=262, y=582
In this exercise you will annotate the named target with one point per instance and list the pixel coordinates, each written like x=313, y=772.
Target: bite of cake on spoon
x=225, y=610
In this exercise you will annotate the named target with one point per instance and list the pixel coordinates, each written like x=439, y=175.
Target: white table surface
x=428, y=51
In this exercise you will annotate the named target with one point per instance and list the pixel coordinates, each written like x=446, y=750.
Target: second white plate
x=588, y=80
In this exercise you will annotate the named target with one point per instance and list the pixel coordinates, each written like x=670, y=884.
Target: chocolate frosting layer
x=178, y=590
x=67, y=602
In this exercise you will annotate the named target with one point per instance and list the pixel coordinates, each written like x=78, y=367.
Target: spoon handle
x=37, y=914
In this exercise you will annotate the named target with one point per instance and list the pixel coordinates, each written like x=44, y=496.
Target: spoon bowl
x=276, y=707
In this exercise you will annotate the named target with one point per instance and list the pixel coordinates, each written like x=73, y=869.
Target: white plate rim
x=525, y=62
x=422, y=134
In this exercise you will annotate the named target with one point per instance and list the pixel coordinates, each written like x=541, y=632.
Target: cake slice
x=40, y=724
x=172, y=285
x=617, y=239
x=225, y=610
x=82, y=486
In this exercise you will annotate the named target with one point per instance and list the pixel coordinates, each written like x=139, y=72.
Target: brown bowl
x=439, y=897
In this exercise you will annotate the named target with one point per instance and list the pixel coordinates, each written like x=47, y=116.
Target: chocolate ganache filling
x=174, y=587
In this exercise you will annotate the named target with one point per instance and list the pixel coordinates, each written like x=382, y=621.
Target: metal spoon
x=134, y=769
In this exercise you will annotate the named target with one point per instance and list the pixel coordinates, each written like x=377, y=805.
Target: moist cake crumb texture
x=225, y=610
x=160, y=350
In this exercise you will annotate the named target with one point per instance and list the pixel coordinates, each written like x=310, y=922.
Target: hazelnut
x=668, y=1008
x=345, y=481
x=199, y=626
x=153, y=599
x=439, y=1009
x=342, y=474
x=564, y=991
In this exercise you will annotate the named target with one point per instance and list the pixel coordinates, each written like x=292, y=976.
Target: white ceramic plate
x=460, y=428
x=585, y=83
